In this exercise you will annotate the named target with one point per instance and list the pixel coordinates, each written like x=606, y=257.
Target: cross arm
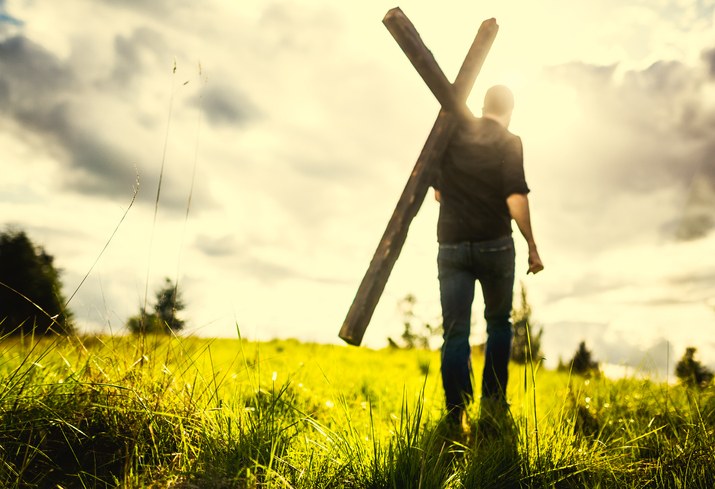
x=452, y=97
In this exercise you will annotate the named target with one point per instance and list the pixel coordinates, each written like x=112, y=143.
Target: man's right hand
x=535, y=264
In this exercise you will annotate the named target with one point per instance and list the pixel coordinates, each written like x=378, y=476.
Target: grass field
x=195, y=413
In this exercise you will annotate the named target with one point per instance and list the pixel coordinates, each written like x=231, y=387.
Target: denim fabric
x=460, y=265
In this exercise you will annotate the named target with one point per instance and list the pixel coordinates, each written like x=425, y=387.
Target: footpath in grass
x=199, y=413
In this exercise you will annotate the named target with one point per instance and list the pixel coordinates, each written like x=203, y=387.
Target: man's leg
x=456, y=285
x=497, y=281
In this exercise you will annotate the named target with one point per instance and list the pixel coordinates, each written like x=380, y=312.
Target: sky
x=283, y=133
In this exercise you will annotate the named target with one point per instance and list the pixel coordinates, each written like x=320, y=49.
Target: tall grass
x=85, y=412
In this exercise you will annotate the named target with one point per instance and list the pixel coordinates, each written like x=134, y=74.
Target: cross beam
x=453, y=98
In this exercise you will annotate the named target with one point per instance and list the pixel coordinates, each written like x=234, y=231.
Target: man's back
x=482, y=166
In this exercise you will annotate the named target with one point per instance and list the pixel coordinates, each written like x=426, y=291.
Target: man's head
x=498, y=104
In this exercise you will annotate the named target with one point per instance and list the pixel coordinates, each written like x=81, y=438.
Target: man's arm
x=519, y=208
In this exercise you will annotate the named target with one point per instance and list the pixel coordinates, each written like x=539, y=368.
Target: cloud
x=155, y=8
x=288, y=27
x=222, y=104
x=36, y=90
x=7, y=21
x=698, y=217
x=96, y=125
x=709, y=57
x=218, y=247
x=33, y=72
x=586, y=285
x=643, y=135
x=133, y=53
x=704, y=277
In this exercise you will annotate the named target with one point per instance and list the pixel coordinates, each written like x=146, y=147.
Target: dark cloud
x=97, y=167
x=47, y=97
x=698, y=217
x=36, y=89
x=225, y=105
x=4, y=95
x=223, y=246
x=644, y=132
x=30, y=72
x=709, y=58
x=131, y=55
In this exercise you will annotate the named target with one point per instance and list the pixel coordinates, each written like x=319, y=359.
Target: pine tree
x=582, y=362
x=164, y=318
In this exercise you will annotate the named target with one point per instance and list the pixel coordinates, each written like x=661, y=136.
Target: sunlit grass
x=192, y=412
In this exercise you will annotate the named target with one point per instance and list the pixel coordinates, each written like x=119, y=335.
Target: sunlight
x=544, y=110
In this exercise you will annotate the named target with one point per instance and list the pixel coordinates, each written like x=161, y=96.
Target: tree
x=690, y=371
x=417, y=332
x=581, y=363
x=31, y=285
x=163, y=319
x=521, y=351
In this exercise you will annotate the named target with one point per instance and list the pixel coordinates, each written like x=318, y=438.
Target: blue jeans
x=460, y=265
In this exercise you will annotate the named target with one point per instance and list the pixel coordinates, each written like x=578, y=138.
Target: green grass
x=91, y=412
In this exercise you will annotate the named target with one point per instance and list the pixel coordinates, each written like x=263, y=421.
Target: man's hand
x=519, y=208
x=535, y=265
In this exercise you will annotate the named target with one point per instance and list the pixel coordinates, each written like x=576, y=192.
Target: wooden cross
x=453, y=99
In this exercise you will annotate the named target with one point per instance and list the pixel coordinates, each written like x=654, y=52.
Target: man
x=481, y=188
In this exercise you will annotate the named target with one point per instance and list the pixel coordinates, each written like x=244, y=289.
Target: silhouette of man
x=481, y=187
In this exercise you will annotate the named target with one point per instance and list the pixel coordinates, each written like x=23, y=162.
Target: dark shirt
x=482, y=166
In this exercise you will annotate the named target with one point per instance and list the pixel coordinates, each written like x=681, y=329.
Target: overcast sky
x=311, y=121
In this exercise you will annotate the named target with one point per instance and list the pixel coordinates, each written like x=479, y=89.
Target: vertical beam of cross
x=452, y=97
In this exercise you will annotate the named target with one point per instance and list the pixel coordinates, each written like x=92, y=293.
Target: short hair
x=499, y=100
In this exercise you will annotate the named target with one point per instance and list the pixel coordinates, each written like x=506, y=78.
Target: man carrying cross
x=481, y=187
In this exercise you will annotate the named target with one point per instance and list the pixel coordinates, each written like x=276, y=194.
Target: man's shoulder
x=486, y=131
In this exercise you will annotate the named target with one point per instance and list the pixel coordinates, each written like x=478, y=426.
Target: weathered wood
x=422, y=59
x=375, y=279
